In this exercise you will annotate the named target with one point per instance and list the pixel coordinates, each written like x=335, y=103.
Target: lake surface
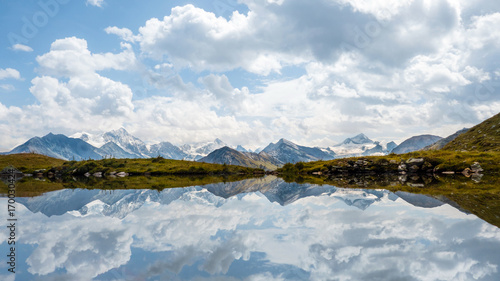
x=257, y=229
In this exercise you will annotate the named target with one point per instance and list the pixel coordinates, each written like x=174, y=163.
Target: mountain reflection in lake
x=258, y=229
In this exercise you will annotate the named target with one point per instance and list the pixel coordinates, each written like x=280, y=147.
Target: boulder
x=415, y=161
x=402, y=167
x=476, y=168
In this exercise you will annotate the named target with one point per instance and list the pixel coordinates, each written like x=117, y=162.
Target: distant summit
x=59, y=146
x=229, y=156
x=359, y=139
x=288, y=152
x=361, y=145
x=415, y=143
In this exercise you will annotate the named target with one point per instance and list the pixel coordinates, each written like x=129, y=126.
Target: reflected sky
x=259, y=229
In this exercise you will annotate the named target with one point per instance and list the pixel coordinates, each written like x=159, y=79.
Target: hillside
x=442, y=142
x=28, y=162
x=152, y=166
x=483, y=137
x=231, y=156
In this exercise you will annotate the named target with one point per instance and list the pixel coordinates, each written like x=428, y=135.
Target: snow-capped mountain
x=127, y=142
x=116, y=143
x=167, y=150
x=59, y=146
x=92, y=139
x=197, y=151
x=361, y=145
x=359, y=139
x=288, y=152
x=112, y=150
x=241, y=149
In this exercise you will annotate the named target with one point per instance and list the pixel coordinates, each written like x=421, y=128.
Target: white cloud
x=124, y=33
x=185, y=121
x=21, y=47
x=7, y=87
x=9, y=73
x=97, y=3
x=70, y=57
x=389, y=69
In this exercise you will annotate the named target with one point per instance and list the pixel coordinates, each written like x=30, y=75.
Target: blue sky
x=248, y=72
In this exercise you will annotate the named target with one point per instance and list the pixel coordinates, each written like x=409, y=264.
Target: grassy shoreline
x=437, y=162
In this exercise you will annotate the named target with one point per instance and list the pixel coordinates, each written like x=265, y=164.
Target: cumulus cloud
x=71, y=57
x=71, y=93
x=124, y=33
x=9, y=73
x=21, y=47
x=390, y=69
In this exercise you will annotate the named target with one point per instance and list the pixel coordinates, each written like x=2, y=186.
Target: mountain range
x=121, y=144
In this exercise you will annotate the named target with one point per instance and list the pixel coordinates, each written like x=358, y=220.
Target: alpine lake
x=267, y=228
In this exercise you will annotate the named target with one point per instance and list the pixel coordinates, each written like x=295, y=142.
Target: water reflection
x=259, y=229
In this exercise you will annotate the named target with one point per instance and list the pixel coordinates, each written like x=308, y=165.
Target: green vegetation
x=29, y=162
x=434, y=161
x=154, y=166
x=31, y=187
x=483, y=137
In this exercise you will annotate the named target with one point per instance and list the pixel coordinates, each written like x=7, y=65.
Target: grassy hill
x=434, y=161
x=29, y=162
x=152, y=166
x=483, y=137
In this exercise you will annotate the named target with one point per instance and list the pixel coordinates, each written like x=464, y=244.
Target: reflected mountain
x=120, y=203
x=256, y=229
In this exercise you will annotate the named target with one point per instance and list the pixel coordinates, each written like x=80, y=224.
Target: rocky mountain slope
x=229, y=156
x=482, y=137
x=442, y=142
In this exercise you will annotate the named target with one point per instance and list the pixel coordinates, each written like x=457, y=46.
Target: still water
x=257, y=229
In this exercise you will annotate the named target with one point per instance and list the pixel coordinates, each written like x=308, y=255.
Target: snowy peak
x=241, y=149
x=359, y=139
x=197, y=151
x=94, y=140
x=287, y=142
x=361, y=145
x=127, y=142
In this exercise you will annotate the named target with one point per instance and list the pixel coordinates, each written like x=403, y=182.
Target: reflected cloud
x=274, y=231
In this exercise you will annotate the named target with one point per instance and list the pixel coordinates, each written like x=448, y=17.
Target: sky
x=248, y=72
